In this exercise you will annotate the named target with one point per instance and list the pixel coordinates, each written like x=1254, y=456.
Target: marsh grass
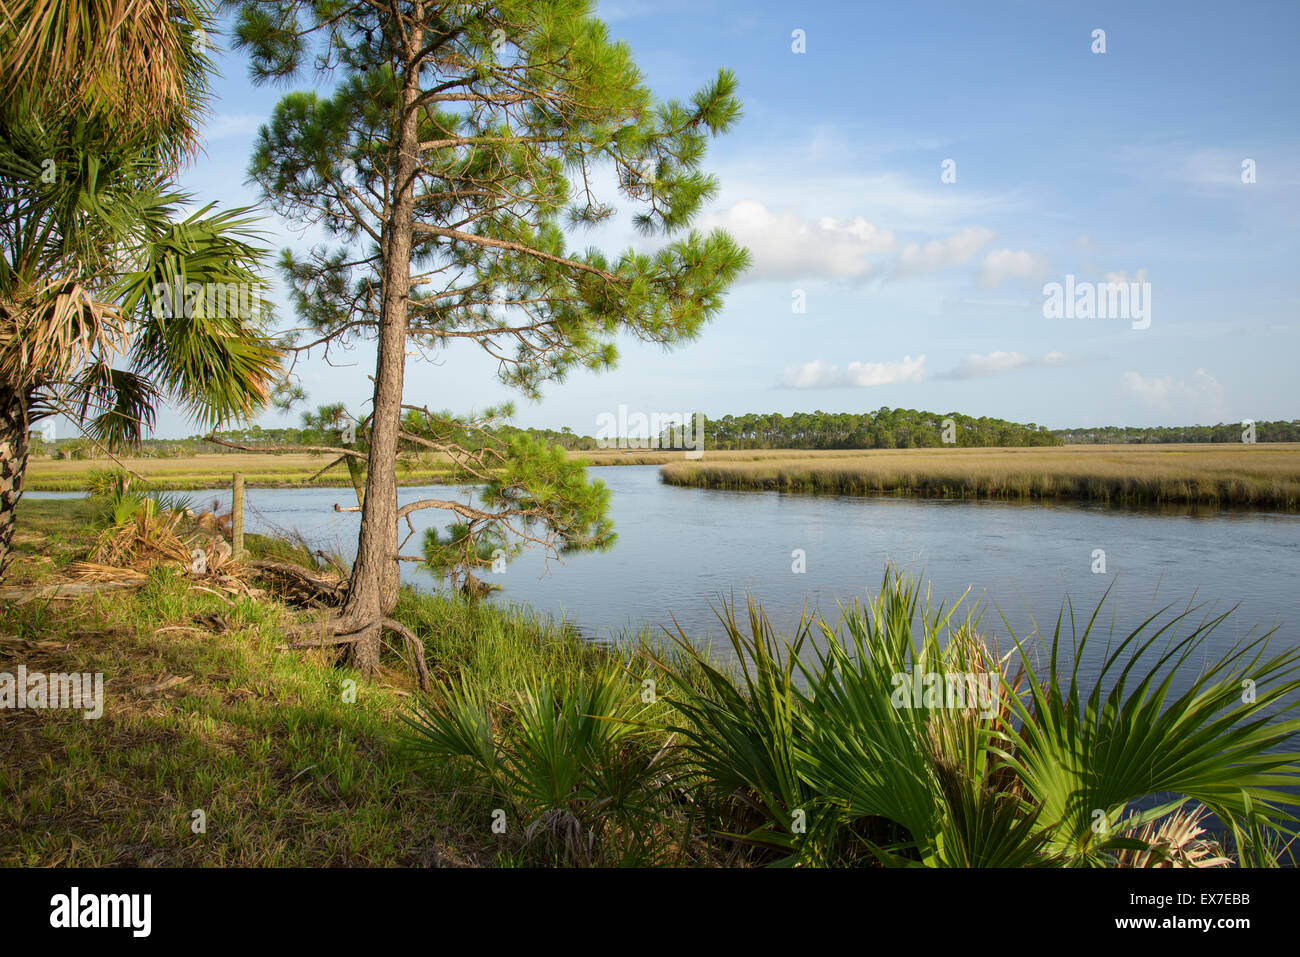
x=1248, y=475
x=260, y=470
x=272, y=470
x=290, y=469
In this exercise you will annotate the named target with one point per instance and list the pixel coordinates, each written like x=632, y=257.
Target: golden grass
x=1254, y=475
x=260, y=470
x=1261, y=475
x=266, y=470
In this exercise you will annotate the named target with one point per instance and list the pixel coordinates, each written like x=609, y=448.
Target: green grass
x=259, y=740
x=287, y=771
x=49, y=535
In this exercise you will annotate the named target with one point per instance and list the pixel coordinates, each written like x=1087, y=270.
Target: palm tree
x=142, y=64
x=112, y=297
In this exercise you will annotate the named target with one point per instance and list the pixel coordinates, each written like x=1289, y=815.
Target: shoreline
x=1245, y=476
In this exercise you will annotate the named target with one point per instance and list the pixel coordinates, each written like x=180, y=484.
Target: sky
x=909, y=179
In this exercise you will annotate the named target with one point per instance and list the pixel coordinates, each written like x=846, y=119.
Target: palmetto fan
x=92, y=242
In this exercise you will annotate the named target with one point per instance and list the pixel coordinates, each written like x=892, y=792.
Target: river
x=681, y=551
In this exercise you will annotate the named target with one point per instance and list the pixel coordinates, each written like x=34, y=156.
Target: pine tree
x=455, y=157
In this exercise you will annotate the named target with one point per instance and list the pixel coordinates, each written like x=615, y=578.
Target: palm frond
x=62, y=327
x=117, y=405
x=198, y=299
x=142, y=64
x=1085, y=758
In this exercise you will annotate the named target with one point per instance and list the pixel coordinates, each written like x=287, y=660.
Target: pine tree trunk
x=13, y=464
x=376, y=580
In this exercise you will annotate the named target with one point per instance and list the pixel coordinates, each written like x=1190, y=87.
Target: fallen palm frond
x=232, y=581
x=97, y=572
x=141, y=542
x=146, y=534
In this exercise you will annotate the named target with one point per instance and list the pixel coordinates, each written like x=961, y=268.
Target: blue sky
x=1124, y=165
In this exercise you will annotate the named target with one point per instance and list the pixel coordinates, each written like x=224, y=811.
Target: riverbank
x=1255, y=475
x=221, y=743
x=206, y=711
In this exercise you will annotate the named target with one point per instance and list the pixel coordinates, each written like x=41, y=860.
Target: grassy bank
x=205, y=711
x=536, y=748
x=1265, y=476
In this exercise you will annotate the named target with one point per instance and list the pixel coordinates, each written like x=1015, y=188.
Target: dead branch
x=327, y=449
x=299, y=585
x=338, y=461
x=414, y=649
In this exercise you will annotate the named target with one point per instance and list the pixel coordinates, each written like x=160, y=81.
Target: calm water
x=680, y=551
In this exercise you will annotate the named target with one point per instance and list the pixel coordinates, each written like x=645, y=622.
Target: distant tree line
x=885, y=428
x=1223, y=432
x=565, y=437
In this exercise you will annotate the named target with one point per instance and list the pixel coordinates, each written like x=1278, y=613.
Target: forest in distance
x=884, y=428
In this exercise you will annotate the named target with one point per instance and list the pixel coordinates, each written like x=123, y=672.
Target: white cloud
x=1202, y=397
x=787, y=247
x=999, y=363
x=1003, y=264
x=822, y=375
x=940, y=253
x=1210, y=169
x=222, y=125
x=907, y=203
